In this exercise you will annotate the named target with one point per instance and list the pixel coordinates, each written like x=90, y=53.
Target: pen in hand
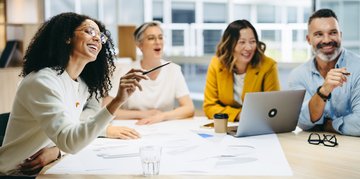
x=346, y=73
x=151, y=70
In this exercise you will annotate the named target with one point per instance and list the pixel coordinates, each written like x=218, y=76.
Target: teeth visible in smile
x=93, y=47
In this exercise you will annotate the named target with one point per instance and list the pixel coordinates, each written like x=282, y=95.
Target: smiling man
x=331, y=79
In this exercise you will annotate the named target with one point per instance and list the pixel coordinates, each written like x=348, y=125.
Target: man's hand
x=334, y=78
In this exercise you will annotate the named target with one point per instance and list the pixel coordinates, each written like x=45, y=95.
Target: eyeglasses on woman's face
x=91, y=31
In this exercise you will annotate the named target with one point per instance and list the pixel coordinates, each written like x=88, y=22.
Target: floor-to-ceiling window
x=105, y=11
x=193, y=28
x=213, y=13
x=348, y=13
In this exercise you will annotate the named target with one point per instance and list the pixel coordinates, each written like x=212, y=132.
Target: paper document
x=186, y=149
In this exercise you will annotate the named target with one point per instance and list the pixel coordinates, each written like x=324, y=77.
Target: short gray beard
x=329, y=57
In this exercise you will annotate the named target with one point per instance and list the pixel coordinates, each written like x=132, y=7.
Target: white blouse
x=238, y=87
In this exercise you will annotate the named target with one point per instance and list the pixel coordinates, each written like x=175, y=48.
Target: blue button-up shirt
x=343, y=107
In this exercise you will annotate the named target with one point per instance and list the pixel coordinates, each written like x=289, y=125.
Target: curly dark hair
x=48, y=48
x=227, y=44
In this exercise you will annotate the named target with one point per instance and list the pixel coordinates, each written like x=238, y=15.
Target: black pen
x=345, y=73
x=146, y=72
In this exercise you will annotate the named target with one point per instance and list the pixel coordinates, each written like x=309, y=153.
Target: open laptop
x=269, y=112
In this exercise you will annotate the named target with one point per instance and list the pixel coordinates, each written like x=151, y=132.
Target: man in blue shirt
x=331, y=79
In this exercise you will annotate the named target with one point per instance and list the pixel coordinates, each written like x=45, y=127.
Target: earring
x=67, y=41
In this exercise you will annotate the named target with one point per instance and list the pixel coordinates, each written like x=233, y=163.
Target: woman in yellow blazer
x=239, y=67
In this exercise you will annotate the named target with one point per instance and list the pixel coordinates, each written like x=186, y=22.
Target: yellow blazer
x=219, y=87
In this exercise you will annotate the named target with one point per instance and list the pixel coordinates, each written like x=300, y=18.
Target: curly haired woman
x=67, y=67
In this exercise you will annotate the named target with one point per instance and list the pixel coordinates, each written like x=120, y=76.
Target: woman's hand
x=36, y=162
x=127, y=86
x=120, y=132
x=147, y=113
x=152, y=119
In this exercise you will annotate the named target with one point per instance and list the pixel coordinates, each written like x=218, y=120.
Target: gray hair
x=138, y=34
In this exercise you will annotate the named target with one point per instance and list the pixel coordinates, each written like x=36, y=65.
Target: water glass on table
x=150, y=159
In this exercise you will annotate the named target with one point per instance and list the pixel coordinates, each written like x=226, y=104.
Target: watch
x=322, y=96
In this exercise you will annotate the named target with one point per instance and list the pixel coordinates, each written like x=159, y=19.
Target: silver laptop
x=269, y=112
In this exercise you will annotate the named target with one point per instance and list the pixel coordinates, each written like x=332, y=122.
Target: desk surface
x=305, y=160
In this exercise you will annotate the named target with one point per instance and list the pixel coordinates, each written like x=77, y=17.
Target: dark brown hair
x=322, y=13
x=226, y=46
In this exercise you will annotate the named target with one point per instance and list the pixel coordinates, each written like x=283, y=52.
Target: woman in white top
x=166, y=85
x=67, y=65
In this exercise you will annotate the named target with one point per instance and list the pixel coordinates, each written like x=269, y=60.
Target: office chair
x=8, y=53
x=4, y=117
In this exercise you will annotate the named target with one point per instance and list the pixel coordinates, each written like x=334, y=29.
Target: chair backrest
x=8, y=53
x=4, y=117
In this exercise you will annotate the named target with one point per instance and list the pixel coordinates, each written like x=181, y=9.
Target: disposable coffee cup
x=220, y=122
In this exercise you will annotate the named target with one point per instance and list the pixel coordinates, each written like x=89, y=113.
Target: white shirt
x=156, y=94
x=47, y=110
x=238, y=87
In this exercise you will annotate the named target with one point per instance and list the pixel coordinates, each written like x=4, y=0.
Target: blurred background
x=192, y=28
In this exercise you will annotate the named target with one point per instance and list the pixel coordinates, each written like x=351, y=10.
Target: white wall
x=22, y=11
